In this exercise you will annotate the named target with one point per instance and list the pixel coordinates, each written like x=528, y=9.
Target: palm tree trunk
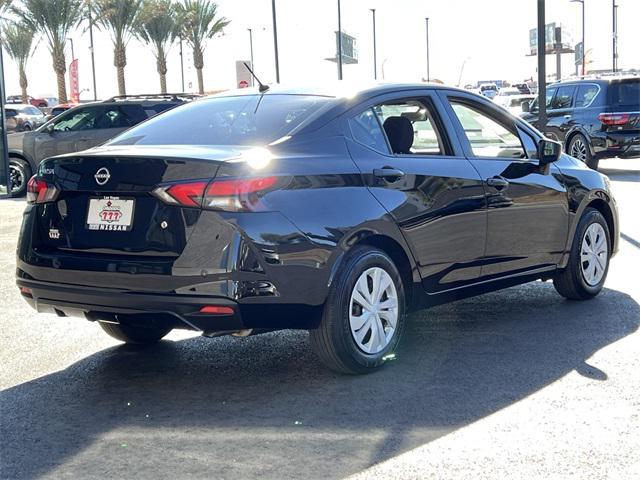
x=120, y=61
x=122, y=88
x=161, y=66
x=198, y=62
x=60, y=67
x=23, y=83
x=200, y=82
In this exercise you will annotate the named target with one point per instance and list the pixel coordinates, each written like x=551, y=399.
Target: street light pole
x=275, y=40
x=375, y=65
x=181, y=64
x=251, y=49
x=542, y=74
x=584, y=50
x=428, y=73
x=339, y=43
x=615, y=37
x=93, y=61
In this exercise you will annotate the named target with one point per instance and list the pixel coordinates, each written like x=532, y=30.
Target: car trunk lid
x=105, y=206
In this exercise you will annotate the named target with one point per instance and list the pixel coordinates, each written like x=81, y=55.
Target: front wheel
x=364, y=314
x=135, y=334
x=586, y=271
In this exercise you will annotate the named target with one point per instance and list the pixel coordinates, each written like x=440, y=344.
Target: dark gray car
x=78, y=129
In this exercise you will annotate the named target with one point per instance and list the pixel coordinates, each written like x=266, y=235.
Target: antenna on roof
x=261, y=86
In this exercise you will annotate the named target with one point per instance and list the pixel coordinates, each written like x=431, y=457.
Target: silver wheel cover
x=373, y=310
x=594, y=251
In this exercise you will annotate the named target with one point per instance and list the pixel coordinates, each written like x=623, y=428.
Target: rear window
x=625, y=94
x=242, y=120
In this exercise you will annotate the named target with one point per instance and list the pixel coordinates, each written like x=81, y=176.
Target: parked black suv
x=593, y=118
x=80, y=128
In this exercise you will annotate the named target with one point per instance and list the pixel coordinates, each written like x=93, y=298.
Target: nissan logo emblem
x=102, y=176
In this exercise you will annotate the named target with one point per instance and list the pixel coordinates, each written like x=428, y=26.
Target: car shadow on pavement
x=620, y=175
x=264, y=406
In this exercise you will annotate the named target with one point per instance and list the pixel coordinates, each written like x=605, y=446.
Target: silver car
x=23, y=118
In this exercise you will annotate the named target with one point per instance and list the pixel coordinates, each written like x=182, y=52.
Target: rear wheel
x=364, y=314
x=20, y=173
x=135, y=334
x=586, y=271
x=579, y=148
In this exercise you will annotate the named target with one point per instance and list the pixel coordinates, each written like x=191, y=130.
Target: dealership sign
x=73, y=81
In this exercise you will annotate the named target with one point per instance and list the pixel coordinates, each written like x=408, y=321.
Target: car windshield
x=241, y=120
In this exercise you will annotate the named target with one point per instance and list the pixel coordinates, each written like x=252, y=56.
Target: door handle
x=388, y=173
x=567, y=116
x=498, y=183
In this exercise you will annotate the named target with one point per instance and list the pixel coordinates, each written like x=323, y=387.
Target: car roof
x=344, y=90
x=597, y=80
x=18, y=105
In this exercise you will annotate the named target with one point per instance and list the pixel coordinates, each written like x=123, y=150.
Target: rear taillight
x=188, y=194
x=237, y=194
x=39, y=191
x=614, y=119
x=233, y=194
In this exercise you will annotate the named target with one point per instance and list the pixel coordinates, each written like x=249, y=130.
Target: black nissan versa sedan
x=331, y=211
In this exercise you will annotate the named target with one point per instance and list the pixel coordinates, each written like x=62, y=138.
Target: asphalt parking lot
x=514, y=384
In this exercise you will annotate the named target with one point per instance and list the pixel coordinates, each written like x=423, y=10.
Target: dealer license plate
x=110, y=213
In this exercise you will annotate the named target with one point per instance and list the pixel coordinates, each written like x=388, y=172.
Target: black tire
x=580, y=148
x=135, y=334
x=20, y=173
x=570, y=282
x=333, y=341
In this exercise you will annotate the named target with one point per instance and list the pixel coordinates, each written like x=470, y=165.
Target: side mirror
x=49, y=129
x=548, y=151
x=526, y=107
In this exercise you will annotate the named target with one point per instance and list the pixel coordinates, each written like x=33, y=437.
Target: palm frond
x=199, y=22
x=53, y=18
x=18, y=39
x=157, y=24
x=120, y=17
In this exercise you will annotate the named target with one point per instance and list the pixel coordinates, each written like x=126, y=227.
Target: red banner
x=73, y=81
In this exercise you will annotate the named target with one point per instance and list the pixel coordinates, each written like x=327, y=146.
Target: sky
x=469, y=40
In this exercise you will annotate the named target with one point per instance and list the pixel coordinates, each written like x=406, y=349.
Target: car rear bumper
x=623, y=145
x=177, y=310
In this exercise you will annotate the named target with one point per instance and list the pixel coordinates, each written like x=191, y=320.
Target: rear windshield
x=242, y=120
x=625, y=94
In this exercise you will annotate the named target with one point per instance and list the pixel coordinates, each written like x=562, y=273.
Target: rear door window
x=585, y=95
x=413, y=116
x=122, y=116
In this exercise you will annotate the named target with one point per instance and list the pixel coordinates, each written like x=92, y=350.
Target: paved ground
x=515, y=384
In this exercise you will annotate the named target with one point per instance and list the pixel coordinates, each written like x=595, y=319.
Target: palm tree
x=54, y=19
x=18, y=38
x=4, y=6
x=157, y=27
x=121, y=17
x=198, y=23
